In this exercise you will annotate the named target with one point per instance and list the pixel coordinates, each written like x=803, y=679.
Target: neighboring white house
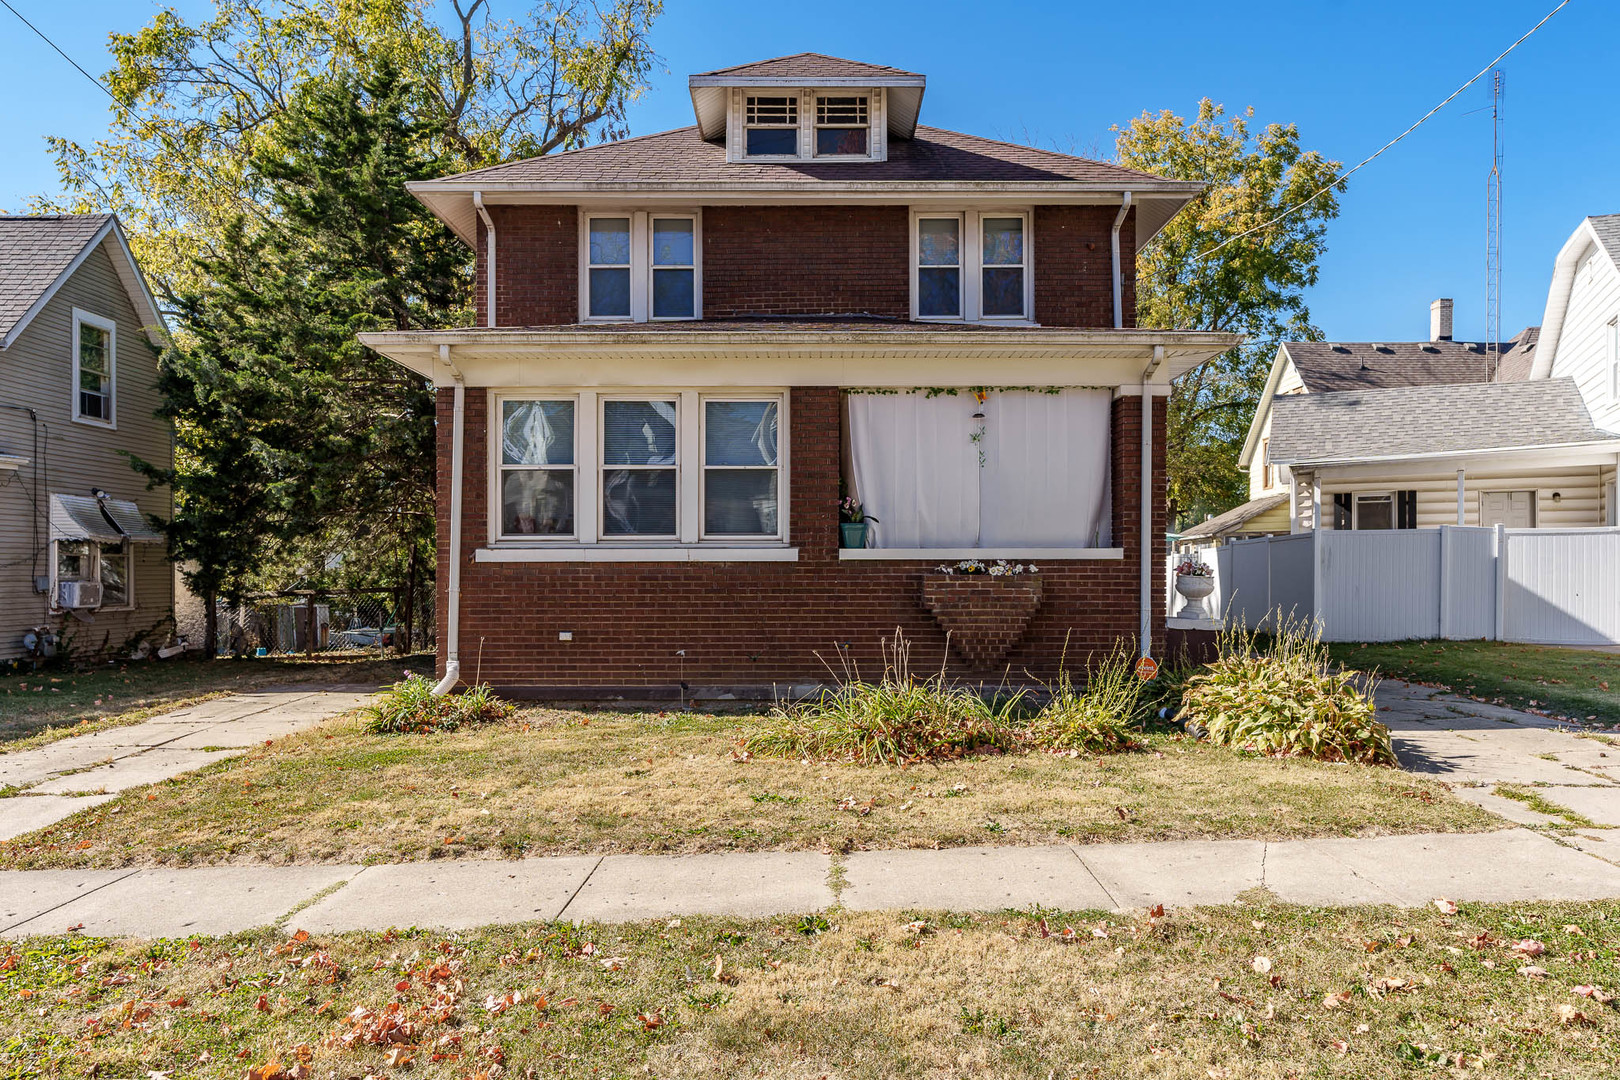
x=1390, y=435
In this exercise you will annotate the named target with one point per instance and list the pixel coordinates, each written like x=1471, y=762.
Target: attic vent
x=1382, y=348
x=1430, y=348
x=1341, y=349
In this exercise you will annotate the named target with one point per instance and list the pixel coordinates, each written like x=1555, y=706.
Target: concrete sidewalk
x=73, y=774
x=1515, y=864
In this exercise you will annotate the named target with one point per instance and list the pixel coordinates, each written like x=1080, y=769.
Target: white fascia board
x=744, y=82
x=11, y=463
x=1251, y=443
x=1554, y=454
x=1582, y=240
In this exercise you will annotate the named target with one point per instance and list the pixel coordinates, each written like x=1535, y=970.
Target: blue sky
x=1351, y=75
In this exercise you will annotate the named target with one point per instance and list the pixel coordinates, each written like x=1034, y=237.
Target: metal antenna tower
x=1493, y=231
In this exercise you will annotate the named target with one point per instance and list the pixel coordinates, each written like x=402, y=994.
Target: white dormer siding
x=1589, y=343
x=813, y=115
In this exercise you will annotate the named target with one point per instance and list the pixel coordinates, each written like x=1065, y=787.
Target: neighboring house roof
x=1326, y=367
x=39, y=252
x=1425, y=421
x=1519, y=356
x=683, y=161
x=1234, y=519
x=1601, y=232
x=809, y=67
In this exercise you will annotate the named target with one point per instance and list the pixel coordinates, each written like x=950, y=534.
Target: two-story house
x=80, y=567
x=693, y=344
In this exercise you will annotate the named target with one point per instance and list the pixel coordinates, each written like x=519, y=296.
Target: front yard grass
x=54, y=703
x=1244, y=991
x=1581, y=684
x=557, y=782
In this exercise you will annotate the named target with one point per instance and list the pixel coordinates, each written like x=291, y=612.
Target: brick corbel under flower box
x=984, y=615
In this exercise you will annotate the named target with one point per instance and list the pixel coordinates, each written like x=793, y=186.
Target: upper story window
x=973, y=266
x=771, y=126
x=94, y=368
x=841, y=126
x=640, y=266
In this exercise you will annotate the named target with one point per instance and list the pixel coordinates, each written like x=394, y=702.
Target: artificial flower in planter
x=852, y=523
x=1195, y=580
x=999, y=568
x=985, y=607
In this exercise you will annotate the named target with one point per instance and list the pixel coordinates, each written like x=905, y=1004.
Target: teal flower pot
x=852, y=534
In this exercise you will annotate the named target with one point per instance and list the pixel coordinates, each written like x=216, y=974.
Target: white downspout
x=1145, y=537
x=452, y=615
x=1113, y=244
x=489, y=259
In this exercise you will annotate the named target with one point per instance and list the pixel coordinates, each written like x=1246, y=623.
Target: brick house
x=692, y=344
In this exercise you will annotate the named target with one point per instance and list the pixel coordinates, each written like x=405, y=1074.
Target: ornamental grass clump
x=1281, y=697
x=1101, y=719
x=409, y=708
x=897, y=720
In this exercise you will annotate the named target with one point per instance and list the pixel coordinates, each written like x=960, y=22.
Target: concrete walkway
x=61, y=778
x=1472, y=746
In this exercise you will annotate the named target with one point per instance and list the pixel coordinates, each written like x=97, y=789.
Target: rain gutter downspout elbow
x=1113, y=246
x=489, y=258
x=452, y=615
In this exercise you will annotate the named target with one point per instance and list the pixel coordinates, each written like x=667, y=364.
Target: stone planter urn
x=985, y=616
x=1194, y=589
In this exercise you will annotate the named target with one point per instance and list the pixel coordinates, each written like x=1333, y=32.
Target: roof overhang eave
x=744, y=82
x=1599, y=445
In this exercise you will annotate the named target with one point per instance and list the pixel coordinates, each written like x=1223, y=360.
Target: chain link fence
x=303, y=624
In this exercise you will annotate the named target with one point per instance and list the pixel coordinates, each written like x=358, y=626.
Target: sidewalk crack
x=69, y=900
x=1111, y=898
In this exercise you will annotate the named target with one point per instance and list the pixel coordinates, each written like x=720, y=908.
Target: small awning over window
x=79, y=517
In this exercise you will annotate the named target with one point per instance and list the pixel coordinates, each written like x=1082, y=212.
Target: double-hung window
x=771, y=126
x=94, y=361
x=640, y=266
x=537, y=468
x=971, y=266
x=741, y=486
x=590, y=469
x=842, y=126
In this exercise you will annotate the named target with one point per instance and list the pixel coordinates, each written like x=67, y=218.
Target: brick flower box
x=984, y=615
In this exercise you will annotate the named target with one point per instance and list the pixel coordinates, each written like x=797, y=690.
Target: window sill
x=606, y=553
x=1036, y=555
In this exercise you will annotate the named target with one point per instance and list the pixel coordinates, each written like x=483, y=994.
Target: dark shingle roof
x=34, y=250
x=1607, y=227
x=683, y=155
x=1329, y=366
x=809, y=65
x=1360, y=425
x=1518, y=356
x=1235, y=518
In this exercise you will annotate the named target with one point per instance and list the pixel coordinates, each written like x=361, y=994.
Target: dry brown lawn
x=1233, y=993
x=556, y=782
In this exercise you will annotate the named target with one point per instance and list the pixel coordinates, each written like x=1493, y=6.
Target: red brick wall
x=806, y=260
x=754, y=623
x=536, y=266
x=1074, y=266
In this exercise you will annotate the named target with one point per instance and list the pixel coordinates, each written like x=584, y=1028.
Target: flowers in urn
x=999, y=568
x=1192, y=566
x=1195, y=579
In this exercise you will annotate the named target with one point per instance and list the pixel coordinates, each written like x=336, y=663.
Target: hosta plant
x=1281, y=696
x=410, y=708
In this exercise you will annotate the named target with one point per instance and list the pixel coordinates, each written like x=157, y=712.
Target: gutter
x=1113, y=247
x=452, y=630
x=1145, y=533
x=489, y=261
x=1441, y=455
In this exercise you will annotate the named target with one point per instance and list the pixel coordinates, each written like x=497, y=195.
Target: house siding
x=37, y=372
x=1580, y=490
x=752, y=624
x=806, y=260
x=1583, y=346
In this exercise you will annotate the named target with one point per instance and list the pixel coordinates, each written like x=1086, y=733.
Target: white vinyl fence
x=1545, y=586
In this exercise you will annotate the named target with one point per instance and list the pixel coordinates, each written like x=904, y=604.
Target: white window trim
x=1355, y=507
x=877, y=119
x=641, y=268
x=81, y=318
x=94, y=575
x=972, y=265
x=816, y=125
x=588, y=467
x=781, y=468
x=798, y=98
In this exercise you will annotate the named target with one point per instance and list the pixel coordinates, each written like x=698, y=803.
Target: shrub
x=896, y=720
x=1102, y=719
x=1282, y=697
x=409, y=708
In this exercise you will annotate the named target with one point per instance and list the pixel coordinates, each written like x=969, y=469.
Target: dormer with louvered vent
x=807, y=107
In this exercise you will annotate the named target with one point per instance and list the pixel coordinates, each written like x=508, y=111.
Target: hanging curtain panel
x=916, y=468
x=1037, y=476
x=1046, y=469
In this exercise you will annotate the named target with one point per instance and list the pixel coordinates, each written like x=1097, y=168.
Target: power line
x=1330, y=185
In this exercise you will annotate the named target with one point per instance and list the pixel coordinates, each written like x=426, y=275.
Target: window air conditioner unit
x=78, y=594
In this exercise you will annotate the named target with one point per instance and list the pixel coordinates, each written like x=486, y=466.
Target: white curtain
x=1042, y=481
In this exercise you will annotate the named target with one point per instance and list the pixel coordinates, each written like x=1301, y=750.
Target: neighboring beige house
x=79, y=334
x=1399, y=435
